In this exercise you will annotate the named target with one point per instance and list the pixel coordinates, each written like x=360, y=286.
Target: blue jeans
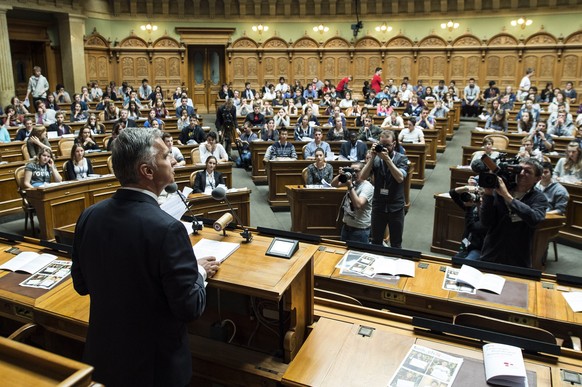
x=244, y=159
x=356, y=235
x=474, y=255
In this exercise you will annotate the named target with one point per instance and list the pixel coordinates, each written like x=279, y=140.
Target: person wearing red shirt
x=376, y=83
x=342, y=85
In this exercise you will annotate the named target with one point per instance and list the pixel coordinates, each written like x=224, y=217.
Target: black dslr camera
x=347, y=174
x=379, y=148
x=506, y=168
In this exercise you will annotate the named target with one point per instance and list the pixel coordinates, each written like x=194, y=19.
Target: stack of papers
x=211, y=248
x=371, y=265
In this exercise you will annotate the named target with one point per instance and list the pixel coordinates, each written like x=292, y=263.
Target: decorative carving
x=299, y=68
x=127, y=67
x=467, y=41
x=458, y=66
x=275, y=43
x=509, y=66
x=329, y=66
x=96, y=41
x=438, y=67
x=373, y=62
x=244, y=43
x=160, y=68
x=238, y=67
x=424, y=66
x=503, y=40
x=166, y=41
x=574, y=38
x=342, y=65
x=547, y=66
x=102, y=65
x=92, y=64
x=433, y=42
x=360, y=67
x=400, y=42
x=133, y=42
x=493, y=66
x=312, y=67
x=570, y=66
x=252, y=67
x=174, y=66
x=336, y=42
x=531, y=61
x=473, y=65
x=368, y=42
x=391, y=66
x=269, y=66
x=405, y=67
x=282, y=65
x=141, y=67
x=305, y=42
x=541, y=38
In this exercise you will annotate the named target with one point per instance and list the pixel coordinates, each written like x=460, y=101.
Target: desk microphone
x=219, y=194
x=196, y=224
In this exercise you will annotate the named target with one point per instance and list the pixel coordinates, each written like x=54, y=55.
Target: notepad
x=471, y=276
x=574, y=299
x=28, y=262
x=211, y=248
x=504, y=365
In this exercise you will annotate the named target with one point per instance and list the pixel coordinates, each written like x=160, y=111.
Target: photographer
x=389, y=169
x=468, y=198
x=226, y=123
x=512, y=214
x=357, y=204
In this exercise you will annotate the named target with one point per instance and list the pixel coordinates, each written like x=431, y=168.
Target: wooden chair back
x=110, y=165
x=500, y=141
x=106, y=141
x=25, y=154
x=195, y=156
x=193, y=177
x=65, y=146
x=304, y=175
x=65, y=173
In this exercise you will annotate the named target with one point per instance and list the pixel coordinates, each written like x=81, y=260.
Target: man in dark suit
x=248, y=93
x=137, y=264
x=354, y=149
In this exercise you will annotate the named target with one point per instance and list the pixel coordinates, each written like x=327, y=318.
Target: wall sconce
x=321, y=29
x=450, y=25
x=521, y=22
x=149, y=27
x=383, y=28
x=260, y=29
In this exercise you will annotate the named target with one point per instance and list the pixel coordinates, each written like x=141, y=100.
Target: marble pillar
x=71, y=34
x=7, y=89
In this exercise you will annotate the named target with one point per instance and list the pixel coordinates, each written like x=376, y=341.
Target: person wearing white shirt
x=211, y=148
x=413, y=134
x=525, y=83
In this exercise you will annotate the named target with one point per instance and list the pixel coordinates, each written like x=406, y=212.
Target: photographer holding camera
x=512, y=214
x=357, y=204
x=468, y=198
x=390, y=169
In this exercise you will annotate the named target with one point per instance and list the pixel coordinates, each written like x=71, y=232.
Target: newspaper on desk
x=49, y=276
x=423, y=366
x=450, y=282
x=371, y=265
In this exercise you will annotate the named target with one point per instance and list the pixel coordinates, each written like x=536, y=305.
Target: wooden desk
x=449, y=224
x=315, y=210
x=336, y=355
x=572, y=231
x=10, y=200
x=206, y=206
x=61, y=204
x=23, y=365
x=560, y=143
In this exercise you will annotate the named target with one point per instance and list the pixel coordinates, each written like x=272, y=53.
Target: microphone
x=196, y=224
x=222, y=223
x=219, y=194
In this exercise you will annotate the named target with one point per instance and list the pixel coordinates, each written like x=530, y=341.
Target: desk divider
x=60, y=247
x=567, y=279
x=406, y=254
x=11, y=237
x=529, y=345
x=290, y=234
x=506, y=269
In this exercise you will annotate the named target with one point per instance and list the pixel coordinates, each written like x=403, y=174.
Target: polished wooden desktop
x=315, y=210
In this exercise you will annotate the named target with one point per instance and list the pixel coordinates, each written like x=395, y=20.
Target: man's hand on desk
x=210, y=265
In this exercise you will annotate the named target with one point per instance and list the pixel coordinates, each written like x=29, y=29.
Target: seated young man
x=281, y=149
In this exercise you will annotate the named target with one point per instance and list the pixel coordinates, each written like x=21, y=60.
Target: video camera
x=347, y=174
x=506, y=168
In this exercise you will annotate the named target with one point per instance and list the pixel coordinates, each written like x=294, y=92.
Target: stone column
x=71, y=34
x=7, y=89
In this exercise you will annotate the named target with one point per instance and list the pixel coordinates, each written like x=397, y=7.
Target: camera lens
x=379, y=148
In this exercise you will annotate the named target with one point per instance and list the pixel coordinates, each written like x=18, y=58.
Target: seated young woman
x=86, y=140
x=41, y=170
x=78, y=167
x=320, y=170
x=208, y=179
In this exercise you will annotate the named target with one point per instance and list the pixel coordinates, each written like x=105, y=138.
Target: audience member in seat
x=86, y=140
x=556, y=193
x=280, y=149
x=320, y=170
x=212, y=148
x=41, y=170
x=78, y=167
x=205, y=181
x=569, y=168
x=37, y=141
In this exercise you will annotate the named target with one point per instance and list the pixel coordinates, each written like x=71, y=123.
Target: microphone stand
x=196, y=224
x=220, y=194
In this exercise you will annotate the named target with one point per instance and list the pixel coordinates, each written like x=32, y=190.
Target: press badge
x=384, y=191
x=515, y=218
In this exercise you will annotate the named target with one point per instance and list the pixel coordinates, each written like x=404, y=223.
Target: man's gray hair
x=536, y=165
x=132, y=148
